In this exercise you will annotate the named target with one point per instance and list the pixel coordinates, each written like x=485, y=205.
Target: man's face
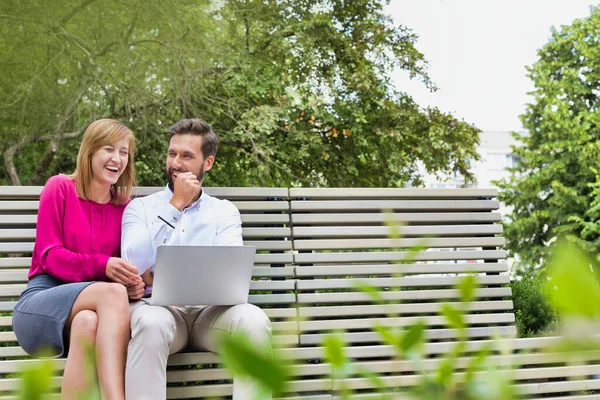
x=185, y=155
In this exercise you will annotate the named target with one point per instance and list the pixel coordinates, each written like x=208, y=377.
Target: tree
x=298, y=91
x=551, y=190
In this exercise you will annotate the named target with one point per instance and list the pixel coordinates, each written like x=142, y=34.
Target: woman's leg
x=82, y=335
x=111, y=305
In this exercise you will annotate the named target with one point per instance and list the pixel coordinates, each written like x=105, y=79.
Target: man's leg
x=156, y=332
x=217, y=320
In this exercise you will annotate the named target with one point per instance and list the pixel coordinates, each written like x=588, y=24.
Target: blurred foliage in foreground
x=573, y=285
x=299, y=91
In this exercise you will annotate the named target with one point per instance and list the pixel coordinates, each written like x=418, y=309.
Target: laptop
x=202, y=275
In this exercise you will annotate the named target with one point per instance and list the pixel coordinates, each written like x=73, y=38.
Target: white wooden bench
x=314, y=247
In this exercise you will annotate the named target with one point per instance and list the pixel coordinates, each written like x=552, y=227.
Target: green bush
x=534, y=313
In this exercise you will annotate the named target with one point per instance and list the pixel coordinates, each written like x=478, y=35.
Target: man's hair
x=196, y=126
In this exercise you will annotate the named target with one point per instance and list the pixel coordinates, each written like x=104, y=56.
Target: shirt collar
x=203, y=197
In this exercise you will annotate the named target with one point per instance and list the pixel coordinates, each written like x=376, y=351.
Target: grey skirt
x=41, y=313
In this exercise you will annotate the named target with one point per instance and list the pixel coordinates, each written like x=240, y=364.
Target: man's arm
x=140, y=241
x=229, y=231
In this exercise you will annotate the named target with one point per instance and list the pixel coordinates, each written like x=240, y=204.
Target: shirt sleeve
x=139, y=241
x=55, y=258
x=229, y=231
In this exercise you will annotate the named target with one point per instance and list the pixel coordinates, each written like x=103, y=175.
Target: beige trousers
x=157, y=332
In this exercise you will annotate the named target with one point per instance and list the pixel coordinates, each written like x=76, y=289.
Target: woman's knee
x=84, y=326
x=114, y=294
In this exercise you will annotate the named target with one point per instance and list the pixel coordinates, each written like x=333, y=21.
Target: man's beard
x=169, y=173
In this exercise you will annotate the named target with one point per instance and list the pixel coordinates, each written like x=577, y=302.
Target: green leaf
x=386, y=334
x=334, y=351
x=245, y=359
x=444, y=373
x=573, y=284
x=412, y=339
x=467, y=287
x=373, y=292
x=455, y=318
x=35, y=381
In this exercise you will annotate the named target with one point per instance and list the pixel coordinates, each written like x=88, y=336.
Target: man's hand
x=121, y=271
x=147, y=277
x=135, y=291
x=186, y=188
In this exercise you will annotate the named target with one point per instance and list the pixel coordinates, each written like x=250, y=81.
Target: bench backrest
x=344, y=241
x=265, y=224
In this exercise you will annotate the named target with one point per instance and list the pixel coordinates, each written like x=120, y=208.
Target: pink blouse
x=74, y=237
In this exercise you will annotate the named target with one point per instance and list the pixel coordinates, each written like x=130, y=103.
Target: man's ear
x=208, y=163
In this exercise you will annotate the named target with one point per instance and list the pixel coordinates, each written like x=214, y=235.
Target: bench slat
x=391, y=309
x=396, y=269
x=399, y=256
x=357, y=297
x=348, y=193
x=397, y=282
x=350, y=244
x=400, y=218
x=377, y=205
x=386, y=231
x=430, y=334
x=369, y=323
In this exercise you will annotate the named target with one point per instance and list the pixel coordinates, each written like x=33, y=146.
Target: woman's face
x=109, y=161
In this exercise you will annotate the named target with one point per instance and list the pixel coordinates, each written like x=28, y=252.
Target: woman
x=69, y=302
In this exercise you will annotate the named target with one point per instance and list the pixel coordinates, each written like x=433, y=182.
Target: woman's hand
x=121, y=271
x=136, y=291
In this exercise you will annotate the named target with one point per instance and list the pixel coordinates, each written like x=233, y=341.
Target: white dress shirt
x=151, y=221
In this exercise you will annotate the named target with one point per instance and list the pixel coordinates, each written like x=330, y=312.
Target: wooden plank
x=302, y=258
x=355, y=244
x=405, y=366
x=16, y=247
x=400, y=218
x=375, y=205
x=398, y=231
x=283, y=258
x=15, y=262
x=346, y=193
x=411, y=380
x=18, y=219
x=404, y=295
x=399, y=269
x=251, y=233
x=261, y=205
x=19, y=205
x=404, y=282
x=264, y=219
x=275, y=245
x=430, y=320
x=404, y=309
x=285, y=298
x=430, y=334
x=17, y=234
x=19, y=192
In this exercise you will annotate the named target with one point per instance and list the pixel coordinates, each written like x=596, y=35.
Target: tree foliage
x=553, y=190
x=299, y=91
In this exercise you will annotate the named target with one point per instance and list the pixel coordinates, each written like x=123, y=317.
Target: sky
x=477, y=52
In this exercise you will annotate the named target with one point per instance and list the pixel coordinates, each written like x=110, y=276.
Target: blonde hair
x=100, y=133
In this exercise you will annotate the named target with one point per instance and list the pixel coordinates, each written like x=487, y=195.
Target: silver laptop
x=202, y=275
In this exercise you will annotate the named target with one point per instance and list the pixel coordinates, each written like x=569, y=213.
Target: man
x=182, y=214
